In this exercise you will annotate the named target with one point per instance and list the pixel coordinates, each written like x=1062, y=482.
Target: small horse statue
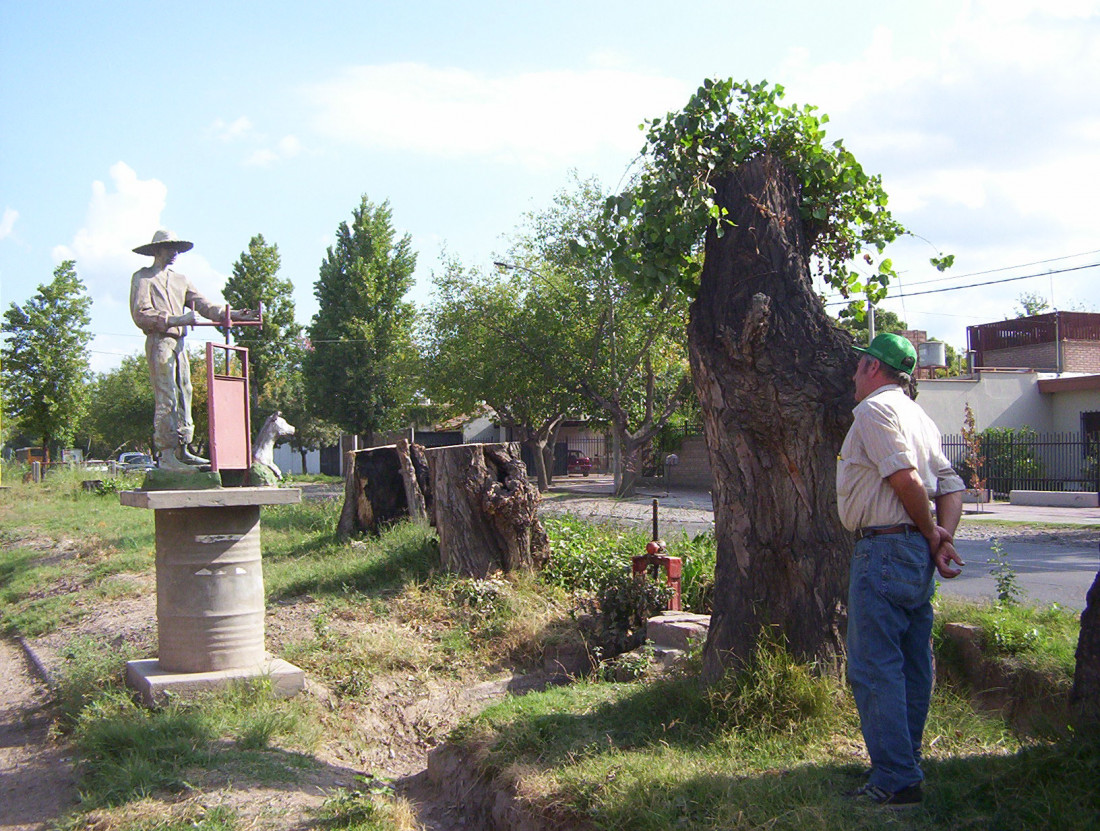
x=264, y=471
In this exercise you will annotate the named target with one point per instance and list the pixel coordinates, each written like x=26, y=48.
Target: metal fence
x=1030, y=461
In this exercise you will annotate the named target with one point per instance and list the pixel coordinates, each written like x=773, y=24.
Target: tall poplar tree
x=273, y=349
x=45, y=358
x=360, y=367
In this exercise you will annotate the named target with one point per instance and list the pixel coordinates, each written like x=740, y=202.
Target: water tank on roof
x=932, y=353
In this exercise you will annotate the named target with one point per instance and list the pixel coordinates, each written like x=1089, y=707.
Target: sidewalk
x=591, y=496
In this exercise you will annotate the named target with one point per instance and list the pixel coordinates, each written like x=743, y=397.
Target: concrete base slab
x=1055, y=499
x=155, y=686
x=676, y=630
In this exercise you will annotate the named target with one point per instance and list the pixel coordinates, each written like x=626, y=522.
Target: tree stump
x=1085, y=696
x=485, y=510
x=378, y=487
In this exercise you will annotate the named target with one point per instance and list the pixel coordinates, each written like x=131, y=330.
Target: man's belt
x=864, y=533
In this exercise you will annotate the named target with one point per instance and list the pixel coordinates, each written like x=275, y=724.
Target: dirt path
x=36, y=775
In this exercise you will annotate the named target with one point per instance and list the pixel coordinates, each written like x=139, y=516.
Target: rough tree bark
x=485, y=510
x=773, y=377
x=1085, y=696
x=378, y=486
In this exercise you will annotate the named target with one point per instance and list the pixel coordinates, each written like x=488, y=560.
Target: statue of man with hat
x=163, y=303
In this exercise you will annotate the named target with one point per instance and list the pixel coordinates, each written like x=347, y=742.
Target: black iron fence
x=1015, y=460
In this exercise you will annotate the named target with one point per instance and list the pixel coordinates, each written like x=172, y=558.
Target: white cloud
x=286, y=148
x=231, y=131
x=533, y=118
x=7, y=222
x=121, y=216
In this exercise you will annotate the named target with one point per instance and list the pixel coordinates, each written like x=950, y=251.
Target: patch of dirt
x=36, y=772
x=385, y=735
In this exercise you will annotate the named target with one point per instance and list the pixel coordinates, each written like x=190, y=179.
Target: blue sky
x=224, y=120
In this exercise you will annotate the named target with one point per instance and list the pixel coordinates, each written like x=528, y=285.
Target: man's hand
x=185, y=319
x=944, y=556
x=244, y=314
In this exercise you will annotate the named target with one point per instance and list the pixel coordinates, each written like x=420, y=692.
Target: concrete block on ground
x=1055, y=499
x=676, y=630
x=155, y=686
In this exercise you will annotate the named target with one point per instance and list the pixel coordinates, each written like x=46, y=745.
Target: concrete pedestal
x=156, y=686
x=210, y=597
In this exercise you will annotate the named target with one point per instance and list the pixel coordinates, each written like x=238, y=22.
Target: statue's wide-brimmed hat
x=163, y=239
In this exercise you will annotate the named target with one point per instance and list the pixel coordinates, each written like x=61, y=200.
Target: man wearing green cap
x=891, y=466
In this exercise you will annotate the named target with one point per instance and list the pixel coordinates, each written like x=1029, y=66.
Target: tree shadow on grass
x=375, y=568
x=612, y=760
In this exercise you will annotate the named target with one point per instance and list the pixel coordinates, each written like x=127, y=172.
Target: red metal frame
x=228, y=410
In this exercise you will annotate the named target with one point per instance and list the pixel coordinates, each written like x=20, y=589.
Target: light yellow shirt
x=890, y=432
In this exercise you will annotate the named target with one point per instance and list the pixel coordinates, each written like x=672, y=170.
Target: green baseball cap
x=893, y=350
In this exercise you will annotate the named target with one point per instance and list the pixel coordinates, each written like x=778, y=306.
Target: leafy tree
x=626, y=341
x=501, y=340
x=360, y=372
x=120, y=412
x=288, y=395
x=753, y=185
x=272, y=348
x=885, y=321
x=1031, y=303
x=46, y=358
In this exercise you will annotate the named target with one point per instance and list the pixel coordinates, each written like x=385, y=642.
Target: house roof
x=1076, y=383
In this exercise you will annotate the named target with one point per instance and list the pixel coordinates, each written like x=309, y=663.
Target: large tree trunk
x=773, y=377
x=378, y=486
x=1085, y=696
x=485, y=510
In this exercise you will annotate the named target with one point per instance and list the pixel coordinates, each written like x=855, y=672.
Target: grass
x=770, y=747
x=669, y=755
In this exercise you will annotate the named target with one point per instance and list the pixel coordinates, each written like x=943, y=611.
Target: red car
x=579, y=463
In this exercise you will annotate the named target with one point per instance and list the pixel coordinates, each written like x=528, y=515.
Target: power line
x=977, y=285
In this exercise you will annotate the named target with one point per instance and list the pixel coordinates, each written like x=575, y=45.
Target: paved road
x=1055, y=557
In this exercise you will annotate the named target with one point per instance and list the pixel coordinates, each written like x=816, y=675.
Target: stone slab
x=1055, y=499
x=156, y=686
x=676, y=630
x=216, y=498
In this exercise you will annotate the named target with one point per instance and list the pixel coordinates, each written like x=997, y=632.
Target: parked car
x=578, y=463
x=135, y=461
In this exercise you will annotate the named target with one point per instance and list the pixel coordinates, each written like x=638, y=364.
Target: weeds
x=1009, y=591
x=773, y=692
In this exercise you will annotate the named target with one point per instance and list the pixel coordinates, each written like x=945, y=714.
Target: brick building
x=1054, y=342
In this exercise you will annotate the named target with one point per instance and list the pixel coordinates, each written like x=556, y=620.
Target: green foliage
x=774, y=692
x=45, y=358
x=885, y=321
x=120, y=411
x=503, y=340
x=368, y=809
x=1009, y=591
x=1011, y=457
x=1031, y=303
x=360, y=365
x=660, y=220
x=274, y=350
x=627, y=343
x=620, y=607
x=583, y=555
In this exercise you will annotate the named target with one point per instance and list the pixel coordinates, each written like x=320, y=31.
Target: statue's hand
x=185, y=319
x=244, y=314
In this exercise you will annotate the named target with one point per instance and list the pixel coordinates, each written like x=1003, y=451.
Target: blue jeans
x=889, y=651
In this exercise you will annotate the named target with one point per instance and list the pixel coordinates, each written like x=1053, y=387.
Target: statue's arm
x=145, y=314
x=211, y=311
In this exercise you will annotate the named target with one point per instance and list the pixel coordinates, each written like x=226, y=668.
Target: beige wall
x=997, y=399
x=1068, y=407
